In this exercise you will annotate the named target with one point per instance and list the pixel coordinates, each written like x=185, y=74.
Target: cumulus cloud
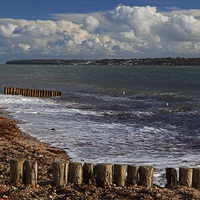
x=181, y=28
x=122, y=32
x=91, y=23
x=7, y=30
x=177, y=11
x=34, y=30
x=24, y=47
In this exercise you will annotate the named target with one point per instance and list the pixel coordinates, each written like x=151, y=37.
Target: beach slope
x=16, y=144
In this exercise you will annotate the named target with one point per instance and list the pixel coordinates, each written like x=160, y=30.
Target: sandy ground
x=16, y=144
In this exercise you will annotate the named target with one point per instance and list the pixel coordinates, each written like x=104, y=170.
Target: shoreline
x=165, y=61
x=16, y=144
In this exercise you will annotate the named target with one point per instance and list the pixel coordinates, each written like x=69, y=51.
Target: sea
x=141, y=115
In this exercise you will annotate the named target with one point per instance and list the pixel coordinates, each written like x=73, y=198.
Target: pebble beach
x=16, y=144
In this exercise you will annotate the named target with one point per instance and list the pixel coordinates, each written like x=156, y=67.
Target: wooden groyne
x=31, y=92
x=102, y=175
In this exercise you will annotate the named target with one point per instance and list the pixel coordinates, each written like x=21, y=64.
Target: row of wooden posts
x=31, y=92
x=102, y=175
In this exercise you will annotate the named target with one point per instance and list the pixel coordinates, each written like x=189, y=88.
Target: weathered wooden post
x=32, y=93
x=52, y=93
x=46, y=93
x=171, y=176
x=16, y=170
x=20, y=91
x=17, y=91
x=196, y=178
x=185, y=176
x=28, y=92
x=75, y=173
x=60, y=173
x=146, y=176
x=43, y=93
x=23, y=92
x=104, y=175
x=14, y=91
x=30, y=172
x=88, y=173
x=35, y=93
x=119, y=174
x=5, y=90
x=132, y=174
x=11, y=91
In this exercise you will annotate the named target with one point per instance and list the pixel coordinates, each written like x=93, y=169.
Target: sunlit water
x=112, y=114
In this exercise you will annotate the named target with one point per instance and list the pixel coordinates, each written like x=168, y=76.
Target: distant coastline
x=127, y=62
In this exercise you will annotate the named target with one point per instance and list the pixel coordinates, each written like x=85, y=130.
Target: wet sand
x=16, y=144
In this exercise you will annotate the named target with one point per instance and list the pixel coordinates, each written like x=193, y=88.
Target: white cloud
x=192, y=12
x=91, y=23
x=122, y=32
x=24, y=47
x=7, y=30
x=34, y=30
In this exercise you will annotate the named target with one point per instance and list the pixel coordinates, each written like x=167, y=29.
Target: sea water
x=142, y=115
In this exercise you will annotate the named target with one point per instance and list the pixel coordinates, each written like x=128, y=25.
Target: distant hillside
x=146, y=61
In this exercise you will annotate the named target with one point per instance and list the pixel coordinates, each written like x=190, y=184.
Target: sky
x=98, y=29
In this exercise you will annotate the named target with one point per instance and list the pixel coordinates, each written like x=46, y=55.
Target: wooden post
x=171, y=176
x=5, y=90
x=60, y=173
x=196, y=178
x=146, y=176
x=185, y=176
x=75, y=173
x=17, y=91
x=119, y=175
x=35, y=93
x=132, y=174
x=28, y=92
x=30, y=172
x=45, y=93
x=104, y=175
x=11, y=91
x=23, y=92
x=32, y=93
x=20, y=91
x=16, y=170
x=88, y=173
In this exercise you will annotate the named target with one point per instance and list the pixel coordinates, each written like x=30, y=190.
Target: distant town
x=127, y=62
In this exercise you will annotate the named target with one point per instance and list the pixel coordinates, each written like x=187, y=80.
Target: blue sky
x=96, y=29
x=41, y=9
